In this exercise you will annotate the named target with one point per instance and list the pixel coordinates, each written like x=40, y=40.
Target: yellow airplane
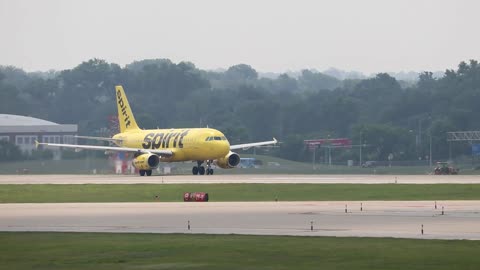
x=167, y=145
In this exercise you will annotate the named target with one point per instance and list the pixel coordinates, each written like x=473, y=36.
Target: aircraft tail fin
x=126, y=120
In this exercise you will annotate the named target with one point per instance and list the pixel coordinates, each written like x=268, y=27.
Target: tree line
x=387, y=115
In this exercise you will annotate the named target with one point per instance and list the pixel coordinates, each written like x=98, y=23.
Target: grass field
x=235, y=192
x=155, y=251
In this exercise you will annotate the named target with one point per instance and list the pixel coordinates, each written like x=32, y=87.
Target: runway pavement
x=246, y=178
x=461, y=219
x=378, y=219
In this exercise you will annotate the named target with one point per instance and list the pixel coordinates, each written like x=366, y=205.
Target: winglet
x=275, y=140
x=36, y=144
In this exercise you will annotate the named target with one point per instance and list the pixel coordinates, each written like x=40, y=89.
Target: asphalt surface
x=246, y=178
x=404, y=219
x=461, y=219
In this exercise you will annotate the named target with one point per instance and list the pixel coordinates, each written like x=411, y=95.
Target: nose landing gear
x=209, y=167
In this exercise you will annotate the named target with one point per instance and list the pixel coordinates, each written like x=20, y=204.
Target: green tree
x=313, y=81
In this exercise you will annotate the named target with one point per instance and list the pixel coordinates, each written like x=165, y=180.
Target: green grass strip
x=155, y=251
x=235, y=192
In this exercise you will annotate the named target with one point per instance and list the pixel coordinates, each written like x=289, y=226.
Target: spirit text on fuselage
x=162, y=139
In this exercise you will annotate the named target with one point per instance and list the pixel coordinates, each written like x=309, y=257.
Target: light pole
x=329, y=156
x=420, y=148
x=420, y=132
x=329, y=151
x=430, y=155
x=412, y=132
x=361, y=144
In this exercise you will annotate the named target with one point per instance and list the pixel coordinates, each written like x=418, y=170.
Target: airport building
x=23, y=131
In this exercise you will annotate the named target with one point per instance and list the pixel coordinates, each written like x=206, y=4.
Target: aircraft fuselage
x=185, y=143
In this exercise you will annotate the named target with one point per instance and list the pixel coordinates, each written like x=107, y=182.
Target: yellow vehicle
x=152, y=146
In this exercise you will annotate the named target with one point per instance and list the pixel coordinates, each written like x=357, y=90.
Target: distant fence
x=397, y=163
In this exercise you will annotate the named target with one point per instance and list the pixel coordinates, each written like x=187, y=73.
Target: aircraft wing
x=248, y=145
x=99, y=139
x=108, y=148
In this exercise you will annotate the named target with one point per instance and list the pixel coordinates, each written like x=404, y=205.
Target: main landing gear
x=199, y=169
x=147, y=172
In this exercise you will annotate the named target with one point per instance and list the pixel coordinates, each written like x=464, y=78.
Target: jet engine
x=231, y=160
x=146, y=161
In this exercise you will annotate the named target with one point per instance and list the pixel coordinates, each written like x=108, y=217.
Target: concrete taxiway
x=461, y=219
x=245, y=178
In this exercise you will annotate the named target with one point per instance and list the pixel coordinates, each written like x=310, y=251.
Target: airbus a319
x=152, y=146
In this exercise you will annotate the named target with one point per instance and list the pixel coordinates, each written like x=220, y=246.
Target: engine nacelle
x=231, y=160
x=146, y=161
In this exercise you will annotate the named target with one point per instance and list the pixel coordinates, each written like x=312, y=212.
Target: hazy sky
x=270, y=35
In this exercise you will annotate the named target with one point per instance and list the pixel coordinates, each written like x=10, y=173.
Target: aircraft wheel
x=210, y=171
x=149, y=172
x=142, y=172
x=195, y=170
x=201, y=170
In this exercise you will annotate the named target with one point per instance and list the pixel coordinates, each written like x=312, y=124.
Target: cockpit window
x=215, y=138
